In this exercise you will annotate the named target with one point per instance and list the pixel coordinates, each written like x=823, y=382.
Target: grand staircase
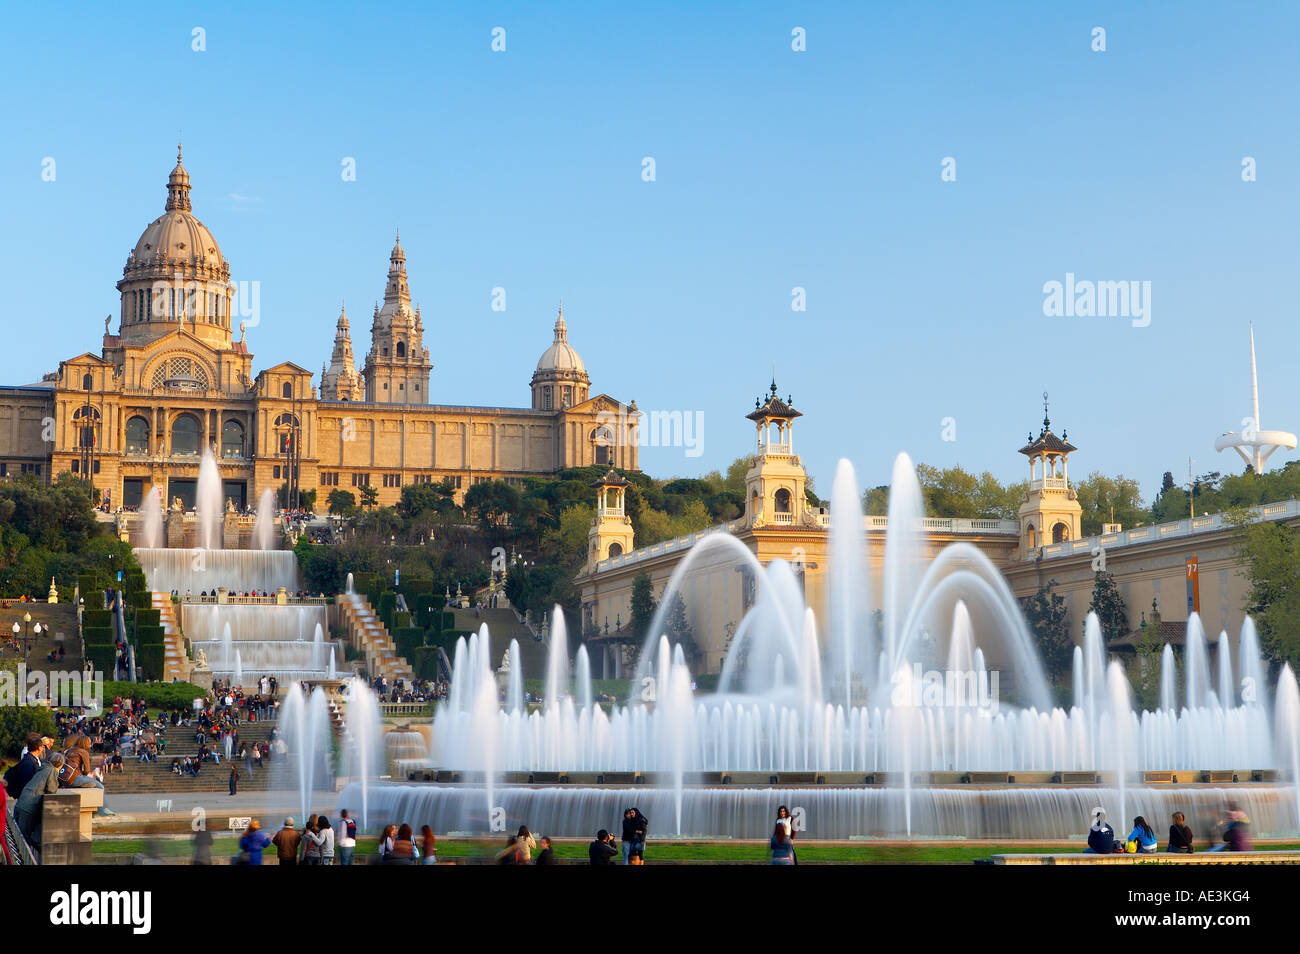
x=173, y=640
x=157, y=777
x=367, y=633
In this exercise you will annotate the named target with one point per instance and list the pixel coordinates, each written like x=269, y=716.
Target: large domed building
x=173, y=379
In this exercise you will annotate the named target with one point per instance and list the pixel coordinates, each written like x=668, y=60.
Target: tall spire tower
x=1254, y=444
x=397, y=367
x=341, y=381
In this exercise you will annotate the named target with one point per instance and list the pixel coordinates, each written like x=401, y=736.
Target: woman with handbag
x=404, y=851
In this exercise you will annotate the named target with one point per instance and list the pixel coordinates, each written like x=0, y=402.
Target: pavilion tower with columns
x=1050, y=511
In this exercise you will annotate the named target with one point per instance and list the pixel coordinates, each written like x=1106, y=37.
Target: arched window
x=86, y=422
x=782, y=501
x=401, y=349
x=1060, y=533
x=137, y=435
x=615, y=549
x=286, y=389
x=287, y=426
x=1031, y=535
x=232, y=439
x=603, y=438
x=87, y=382
x=185, y=436
x=546, y=398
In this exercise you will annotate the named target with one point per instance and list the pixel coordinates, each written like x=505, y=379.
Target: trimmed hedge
x=98, y=635
x=161, y=695
x=426, y=662
x=149, y=635
x=101, y=658
x=408, y=640
x=97, y=618
x=150, y=660
x=142, y=599
x=448, y=621
x=148, y=617
x=401, y=620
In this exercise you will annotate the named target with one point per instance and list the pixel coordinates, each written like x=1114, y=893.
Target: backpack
x=11, y=780
x=68, y=770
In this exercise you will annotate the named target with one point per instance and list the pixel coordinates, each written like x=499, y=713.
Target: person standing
x=786, y=820
x=429, y=845
x=782, y=846
x=325, y=834
x=404, y=851
x=234, y=781
x=286, y=842
x=310, y=842
x=347, y=837
x=253, y=843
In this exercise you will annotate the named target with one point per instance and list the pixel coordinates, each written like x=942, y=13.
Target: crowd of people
x=413, y=691
x=1232, y=833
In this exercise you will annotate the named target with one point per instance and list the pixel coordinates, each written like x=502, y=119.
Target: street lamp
x=25, y=634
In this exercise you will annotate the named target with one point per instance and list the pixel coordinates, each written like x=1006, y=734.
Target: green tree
x=678, y=627
x=491, y=503
x=369, y=496
x=567, y=543
x=1046, y=615
x=342, y=503
x=643, y=606
x=1270, y=552
x=1101, y=496
x=1109, y=606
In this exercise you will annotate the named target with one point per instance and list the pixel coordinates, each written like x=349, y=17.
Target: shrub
x=149, y=635
x=101, y=658
x=98, y=636
x=97, y=618
x=149, y=657
x=148, y=617
x=17, y=721
x=158, y=695
x=401, y=619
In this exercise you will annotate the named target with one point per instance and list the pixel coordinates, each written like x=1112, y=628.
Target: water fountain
x=264, y=524
x=151, y=532
x=209, y=504
x=900, y=753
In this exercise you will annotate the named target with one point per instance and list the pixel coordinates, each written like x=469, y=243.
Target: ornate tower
x=774, y=486
x=611, y=531
x=176, y=276
x=397, y=367
x=341, y=381
x=1050, y=512
x=561, y=379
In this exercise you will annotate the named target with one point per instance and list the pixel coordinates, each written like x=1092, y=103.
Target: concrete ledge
x=1157, y=858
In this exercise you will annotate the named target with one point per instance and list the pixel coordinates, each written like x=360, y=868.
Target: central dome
x=176, y=237
x=561, y=356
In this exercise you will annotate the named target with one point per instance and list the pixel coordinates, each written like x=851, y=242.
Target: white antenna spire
x=1254, y=444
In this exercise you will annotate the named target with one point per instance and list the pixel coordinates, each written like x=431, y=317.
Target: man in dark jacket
x=600, y=851
x=28, y=765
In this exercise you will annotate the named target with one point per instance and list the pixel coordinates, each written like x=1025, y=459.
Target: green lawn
x=948, y=853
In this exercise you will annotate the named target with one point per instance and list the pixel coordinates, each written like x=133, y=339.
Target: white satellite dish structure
x=1254, y=444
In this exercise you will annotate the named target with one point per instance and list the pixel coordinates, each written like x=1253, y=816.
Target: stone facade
x=174, y=380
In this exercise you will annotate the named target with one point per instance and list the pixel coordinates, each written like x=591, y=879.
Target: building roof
x=611, y=479
x=560, y=356
x=1047, y=442
x=773, y=407
x=176, y=236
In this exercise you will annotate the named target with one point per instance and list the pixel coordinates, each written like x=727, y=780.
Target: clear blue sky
x=775, y=169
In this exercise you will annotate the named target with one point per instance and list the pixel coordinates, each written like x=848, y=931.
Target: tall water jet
x=1254, y=675
x=264, y=525
x=211, y=511
x=1122, y=737
x=582, y=665
x=1197, y=674
x=332, y=672
x=317, y=647
x=238, y=679
x=348, y=591
x=904, y=552
x=304, y=722
x=1168, y=680
x=851, y=637
x=364, y=724
x=1227, y=694
x=515, y=680
x=151, y=531
x=1287, y=729
x=557, y=662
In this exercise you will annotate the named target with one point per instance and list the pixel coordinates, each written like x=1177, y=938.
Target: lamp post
x=25, y=634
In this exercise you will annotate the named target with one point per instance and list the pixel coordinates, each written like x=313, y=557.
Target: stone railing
x=1191, y=526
